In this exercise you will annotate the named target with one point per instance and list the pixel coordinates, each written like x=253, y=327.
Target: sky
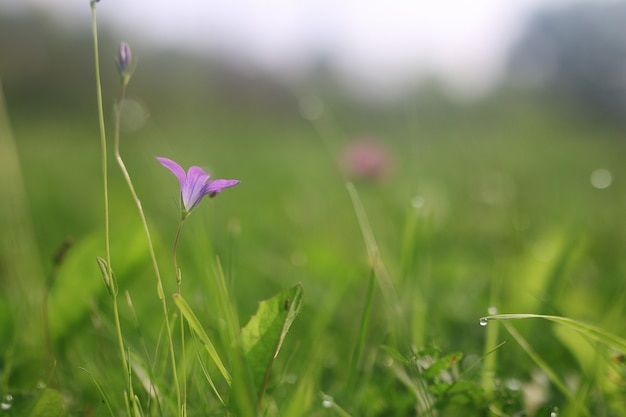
x=378, y=46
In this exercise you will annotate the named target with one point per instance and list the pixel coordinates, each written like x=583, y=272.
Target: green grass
x=489, y=205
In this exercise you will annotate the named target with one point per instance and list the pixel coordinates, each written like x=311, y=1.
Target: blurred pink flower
x=366, y=159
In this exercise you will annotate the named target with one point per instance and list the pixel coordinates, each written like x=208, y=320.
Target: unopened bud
x=123, y=60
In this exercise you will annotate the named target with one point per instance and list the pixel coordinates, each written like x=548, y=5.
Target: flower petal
x=193, y=190
x=176, y=169
x=218, y=185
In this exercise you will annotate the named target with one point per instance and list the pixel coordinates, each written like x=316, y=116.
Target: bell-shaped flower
x=194, y=184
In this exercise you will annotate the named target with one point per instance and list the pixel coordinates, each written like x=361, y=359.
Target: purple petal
x=176, y=169
x=193, y=190
x=216, y=186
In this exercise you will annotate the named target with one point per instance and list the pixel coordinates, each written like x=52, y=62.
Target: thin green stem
x=146, y=229
x=103, y=144
x=491, y=340
x=176, y=270
x=118, y=329
x=103, y=141
x=182, y=319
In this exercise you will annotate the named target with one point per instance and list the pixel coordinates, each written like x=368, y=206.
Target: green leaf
x=443, y=364
x=49, y=404
x=77, y=281
x=456, y=387
x=45, y=403
x=395, y=354
x=263, y=335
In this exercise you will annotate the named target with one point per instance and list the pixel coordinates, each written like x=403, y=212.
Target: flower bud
x=123, y=60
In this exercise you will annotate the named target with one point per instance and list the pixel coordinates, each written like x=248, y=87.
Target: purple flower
x=123, y=60
x=194, y=184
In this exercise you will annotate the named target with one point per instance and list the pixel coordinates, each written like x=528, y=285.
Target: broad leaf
x=49, y=404
x=263, y=335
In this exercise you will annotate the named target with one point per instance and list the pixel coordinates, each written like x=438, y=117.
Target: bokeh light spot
x=601, y=178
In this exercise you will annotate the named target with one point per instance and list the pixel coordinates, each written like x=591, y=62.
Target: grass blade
x=195, y=325
x=373, y=254
x=105, y=399
x=545, y=368
x=593, y=332
x=365, y=318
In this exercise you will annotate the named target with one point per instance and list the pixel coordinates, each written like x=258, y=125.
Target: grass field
x=489, y=204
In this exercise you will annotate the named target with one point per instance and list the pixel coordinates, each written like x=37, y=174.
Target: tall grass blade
x=329, y=402
x=18, y=245
x=205, y=371
x=242, y=397
x=551, y=374
x=360, y=345
x=593, y=332
x=105, y=399
x=373, y=252
x=195, y=325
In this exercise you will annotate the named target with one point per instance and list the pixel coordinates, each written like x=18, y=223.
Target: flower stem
x=182, y=320
x=146, y=229
x=103, y=145
x=103, y=141
x=176, y=270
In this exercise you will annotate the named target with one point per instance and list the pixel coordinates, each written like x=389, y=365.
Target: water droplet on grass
x=483, y=321
x=7, y=402
x=327, y=402
x=555, y=412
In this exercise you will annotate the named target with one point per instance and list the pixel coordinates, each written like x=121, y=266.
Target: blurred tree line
x=577, y=55
x=574, y=56
x=45, y=67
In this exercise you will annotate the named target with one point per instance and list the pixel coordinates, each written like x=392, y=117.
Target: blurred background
x=370, y=50
x=486, y=140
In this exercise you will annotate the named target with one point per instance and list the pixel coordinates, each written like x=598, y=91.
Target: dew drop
x=483, y=321
x=7, y=402
x=554, y=412
x=327, y=402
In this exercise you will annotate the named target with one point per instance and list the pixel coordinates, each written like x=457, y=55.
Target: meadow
x=511, y=204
